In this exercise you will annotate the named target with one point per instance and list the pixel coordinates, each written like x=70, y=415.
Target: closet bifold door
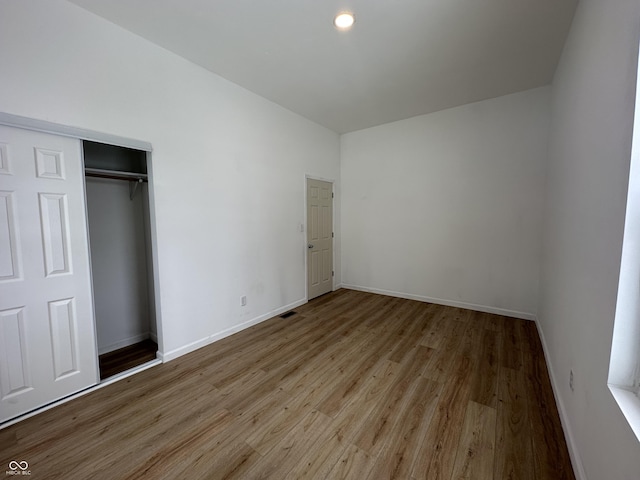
x=47, y=331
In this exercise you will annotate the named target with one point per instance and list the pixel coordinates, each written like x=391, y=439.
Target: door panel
x=319, y=238
x=9, y=257
x=14, y=365
x=47, y=333
x=62, y=322
x=55, y=237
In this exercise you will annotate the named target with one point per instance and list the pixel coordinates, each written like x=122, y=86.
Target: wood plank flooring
x=126, y=358
x=354, y=386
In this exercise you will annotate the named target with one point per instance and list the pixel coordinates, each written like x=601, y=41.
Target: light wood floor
x=354, y=385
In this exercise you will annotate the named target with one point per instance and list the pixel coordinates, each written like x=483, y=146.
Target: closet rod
x=115, y=174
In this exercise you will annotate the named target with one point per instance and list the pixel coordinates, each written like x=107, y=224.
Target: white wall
x=228, y=180
x=118, y=264
x=228, y=166
x=447, y=206
x=589, y=154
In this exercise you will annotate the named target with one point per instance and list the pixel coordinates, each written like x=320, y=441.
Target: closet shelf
x=115, y=174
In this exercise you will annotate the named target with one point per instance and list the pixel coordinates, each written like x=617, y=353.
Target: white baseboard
x=576, y=461
x=123, y=343
x=564, y=419
x=161, y=358
x=178, y=352
x=448, y=303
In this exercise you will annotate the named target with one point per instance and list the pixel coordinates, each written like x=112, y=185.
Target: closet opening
x=116, y=185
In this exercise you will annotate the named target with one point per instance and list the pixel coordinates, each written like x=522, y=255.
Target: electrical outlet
x=571, y=380
x=243, y=301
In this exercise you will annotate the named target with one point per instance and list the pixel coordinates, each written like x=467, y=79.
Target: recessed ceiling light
x=344, y=20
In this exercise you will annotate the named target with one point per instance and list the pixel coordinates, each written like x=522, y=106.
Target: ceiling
x=401, y=58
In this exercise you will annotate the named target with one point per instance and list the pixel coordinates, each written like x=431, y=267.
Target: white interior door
x=47, y=336
x=319, y=238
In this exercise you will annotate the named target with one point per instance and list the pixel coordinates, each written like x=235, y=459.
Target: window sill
x=629, y=403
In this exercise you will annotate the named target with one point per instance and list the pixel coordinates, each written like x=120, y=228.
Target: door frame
x=27, y=123
x=306, y=225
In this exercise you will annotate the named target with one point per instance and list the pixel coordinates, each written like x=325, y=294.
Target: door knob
x=310, y=245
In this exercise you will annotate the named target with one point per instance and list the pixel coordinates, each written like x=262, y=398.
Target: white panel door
x=319, y=238
x=47, y=336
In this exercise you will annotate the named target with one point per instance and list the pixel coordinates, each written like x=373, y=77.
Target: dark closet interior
x=121, y=263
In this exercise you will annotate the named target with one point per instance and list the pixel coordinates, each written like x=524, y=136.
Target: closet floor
x=125, y=358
